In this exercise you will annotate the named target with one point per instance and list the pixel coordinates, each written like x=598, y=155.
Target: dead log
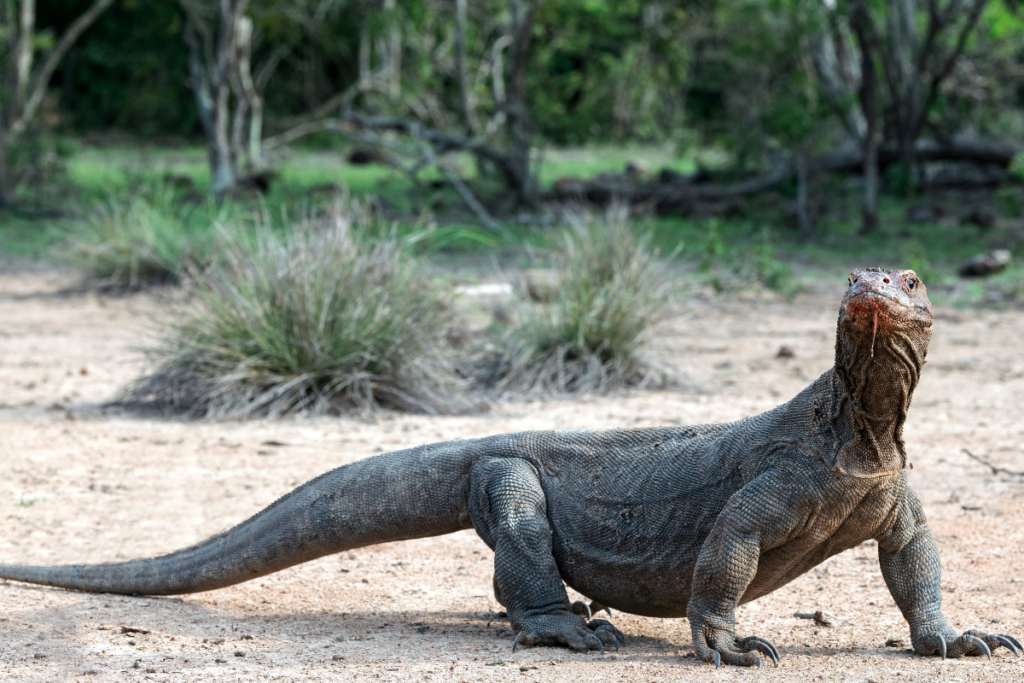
x=671, y=192
x=986, y=152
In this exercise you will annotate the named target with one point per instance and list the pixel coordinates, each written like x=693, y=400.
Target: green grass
x=145, y=237
x=30, y=238
x=730, y=249
x=589, y=161
x=313, y=318
x=587, y=334
x=752, y=246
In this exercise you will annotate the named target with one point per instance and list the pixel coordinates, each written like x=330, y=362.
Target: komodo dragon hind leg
x=509, y=512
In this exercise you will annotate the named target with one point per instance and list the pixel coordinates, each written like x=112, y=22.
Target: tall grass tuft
x=589, y=336
x=147, y=238
x=311, y=320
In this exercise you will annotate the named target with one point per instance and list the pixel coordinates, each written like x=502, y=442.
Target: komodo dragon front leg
x=509, y=512
x=909, y=561
x=759, y=517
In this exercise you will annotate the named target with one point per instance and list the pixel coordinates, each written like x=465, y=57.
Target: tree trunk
x=870, y=183
x=460, y=66
x=25, y=112
x=859, y=19
x=523, y=14
x=394, y=49
x=903, y=29
x=212, y=84
x=26, y=49
x=4, y=199
x=222, y=168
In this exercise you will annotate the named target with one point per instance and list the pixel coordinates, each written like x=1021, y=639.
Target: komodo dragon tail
x=396, y=496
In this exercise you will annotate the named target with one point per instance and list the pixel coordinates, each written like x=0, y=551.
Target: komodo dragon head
x=885, y=324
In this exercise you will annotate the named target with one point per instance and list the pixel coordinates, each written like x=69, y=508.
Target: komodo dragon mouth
x=883, y=301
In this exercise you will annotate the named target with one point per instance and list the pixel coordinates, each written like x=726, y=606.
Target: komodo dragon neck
x=881, y=345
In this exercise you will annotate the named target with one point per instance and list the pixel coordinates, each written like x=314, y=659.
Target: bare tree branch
x=867, y=37
x=947, y=68
x=25, y=51
x=76, y=29
x=467, y=196
x=460, y=66
x=302, y=130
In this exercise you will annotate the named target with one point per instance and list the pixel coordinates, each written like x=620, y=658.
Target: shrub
x=148, y=238
x=309, y=320
x=588, y=338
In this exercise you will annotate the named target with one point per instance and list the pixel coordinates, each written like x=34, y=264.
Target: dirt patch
x=84, y=483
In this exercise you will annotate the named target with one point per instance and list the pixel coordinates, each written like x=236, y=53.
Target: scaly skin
x=668, y=522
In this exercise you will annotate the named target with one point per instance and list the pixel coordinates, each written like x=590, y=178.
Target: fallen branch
x=302, y=130
x=467, y=196
x=675, y=193
x=994, y=468
x=977, y=151
x=429, y=154
x=442, y=143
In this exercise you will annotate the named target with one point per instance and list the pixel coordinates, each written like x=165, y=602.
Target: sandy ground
x=86, y=483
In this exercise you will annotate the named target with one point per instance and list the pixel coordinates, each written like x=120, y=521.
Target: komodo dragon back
x=682, y=521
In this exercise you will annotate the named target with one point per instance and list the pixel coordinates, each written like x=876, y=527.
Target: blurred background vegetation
x=480, y=110
x=751, y=142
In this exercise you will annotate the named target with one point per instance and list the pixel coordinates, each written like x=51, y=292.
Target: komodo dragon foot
x=720, y=645
x=972, y=643
x=570, y=630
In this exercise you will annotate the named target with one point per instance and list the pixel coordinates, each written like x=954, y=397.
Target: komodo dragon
x=665, y=522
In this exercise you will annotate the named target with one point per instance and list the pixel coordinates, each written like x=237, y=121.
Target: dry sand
x=85, y=483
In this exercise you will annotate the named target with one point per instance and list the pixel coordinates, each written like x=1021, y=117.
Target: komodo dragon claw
x=579, y=607
x=603, y=626
x=972, y=642
x=723, y=647
x=578, y=635
x=982, y=645
x=761, y=645
x=994, y=640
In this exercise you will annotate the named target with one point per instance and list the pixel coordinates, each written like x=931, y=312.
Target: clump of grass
x=589, y=336
x=311, y=319
x=147, y=238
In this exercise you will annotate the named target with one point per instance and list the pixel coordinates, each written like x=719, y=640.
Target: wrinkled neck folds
x=879, y=364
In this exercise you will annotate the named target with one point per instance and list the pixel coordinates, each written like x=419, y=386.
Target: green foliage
x=605, y=70
x=611, y=289
x=128, y=72
x=314, y=319
x=769, y=271
x=713, y=247
x=142, y=238
x=1017, y=166
x=919, y=262
x=1010, y=200
x=742, y=258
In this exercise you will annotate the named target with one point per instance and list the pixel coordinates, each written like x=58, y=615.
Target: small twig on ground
x=986, y=463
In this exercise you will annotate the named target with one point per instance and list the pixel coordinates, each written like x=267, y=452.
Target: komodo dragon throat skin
x=667, y=522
